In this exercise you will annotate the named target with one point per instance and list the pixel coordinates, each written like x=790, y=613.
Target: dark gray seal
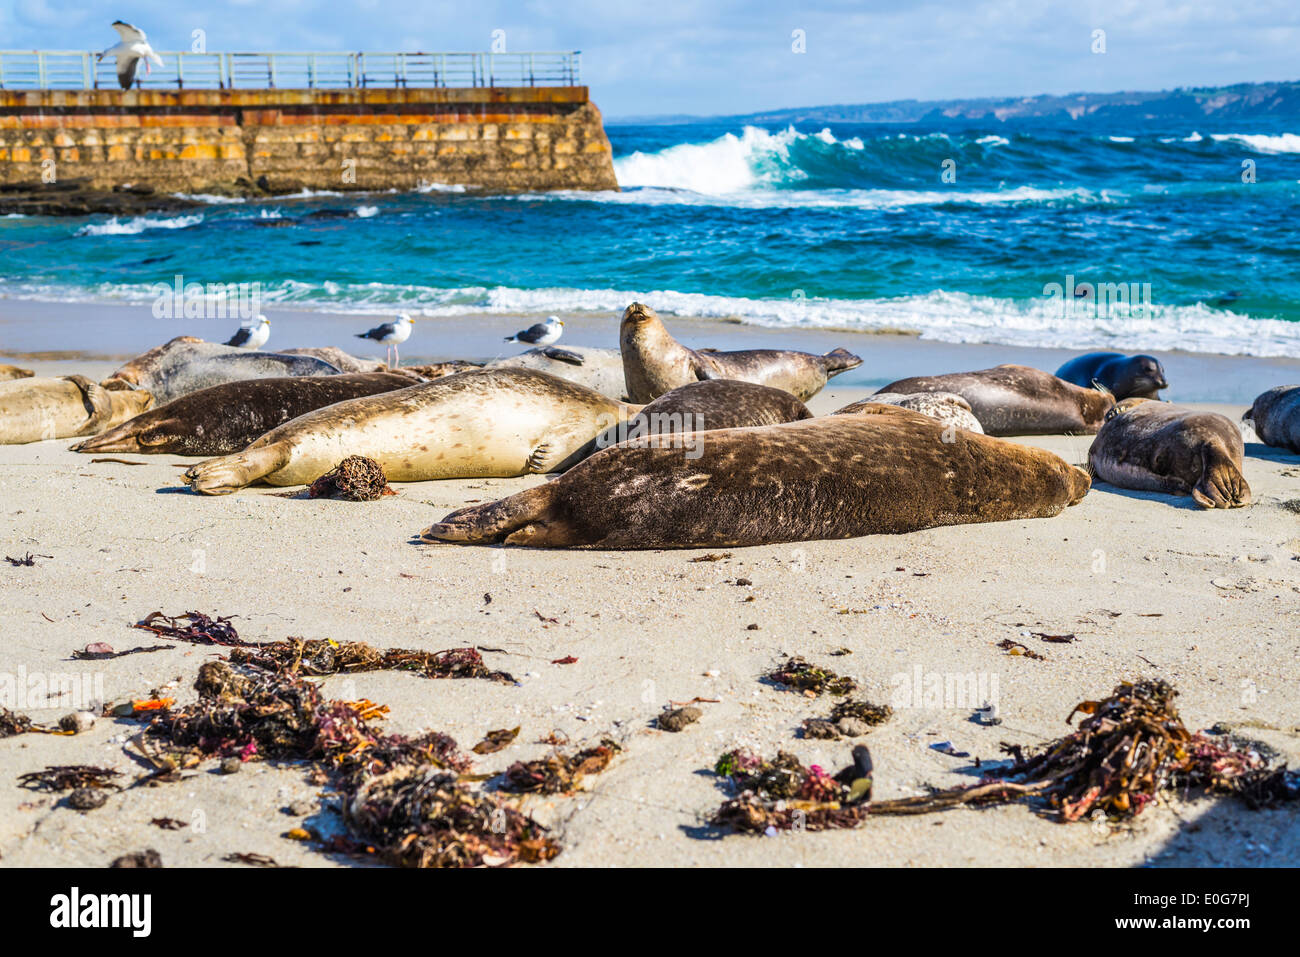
x=654, y=362
x=1125, y=377
x=883, y=470
x=1018, y=400
x=1157, y=447
x=1275, y=415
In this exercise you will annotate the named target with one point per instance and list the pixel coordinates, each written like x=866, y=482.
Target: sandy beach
x=1150, y=585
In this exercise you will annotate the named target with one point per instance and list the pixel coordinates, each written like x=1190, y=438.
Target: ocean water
x=835, y=226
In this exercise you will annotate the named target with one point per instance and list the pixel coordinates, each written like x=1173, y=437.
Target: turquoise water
x=846, y=226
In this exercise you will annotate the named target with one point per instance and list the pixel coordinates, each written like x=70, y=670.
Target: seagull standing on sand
x=391, y=334
x=252, y=335
x=542, y=334
x=133, y=48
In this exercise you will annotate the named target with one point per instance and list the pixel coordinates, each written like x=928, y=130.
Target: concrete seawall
x=238, y=141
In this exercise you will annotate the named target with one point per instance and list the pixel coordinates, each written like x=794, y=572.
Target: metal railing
x=78, y=70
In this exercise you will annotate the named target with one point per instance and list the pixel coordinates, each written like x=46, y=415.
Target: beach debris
x=711, y=557
x=146, y=858
x=231, y=765
x=1055, y=639
x=77, y=722
x=68, y=777
x=541, y=617
x=116, y=461
x=102, y=651
x=849, y=719
x=26, y=561
x=252, y=860
x=495, y=741
x=1016, y=648
x=798, y=674
x=325, y=656
x=87, y=799
x=356, y=479
x=677, y=719
x=168, y=823
x=198, y=629
x=782, y=794
x=988, y=714
x=558, y=773
x=12, y=723
x=566, y=660
x=946, y=747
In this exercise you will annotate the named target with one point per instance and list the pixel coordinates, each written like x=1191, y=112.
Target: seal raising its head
x=1276, y=417
x=654, y=362
x=1125, y=377
x=1158, y=447
x=883, y=470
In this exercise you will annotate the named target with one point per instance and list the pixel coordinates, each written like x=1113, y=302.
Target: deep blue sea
x=840, y=225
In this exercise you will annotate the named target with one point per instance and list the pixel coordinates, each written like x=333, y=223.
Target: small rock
x=149, y=858
x=678, y=718
x=820, y=728
x=751, y=627
x=852, y=727
x=301, y=807
x=87, y=799
x=77, y=722
x=231, y=765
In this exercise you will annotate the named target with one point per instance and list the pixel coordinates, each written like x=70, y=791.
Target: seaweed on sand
x=356, y=478
x=68, y=777
x=11, y=723
x=559, y=772
x=198, y=629
x=1128, y=749
x=324, y=656
x=810, y=679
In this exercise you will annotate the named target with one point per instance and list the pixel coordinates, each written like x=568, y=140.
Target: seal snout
x=638, y=312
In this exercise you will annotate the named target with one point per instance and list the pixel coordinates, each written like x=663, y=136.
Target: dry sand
x=1151, y=585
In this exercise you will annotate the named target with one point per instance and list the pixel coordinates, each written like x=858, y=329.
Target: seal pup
x=654, y=362
x=224, y=419
x=38, y=408
x=1018, y=400
x=13, y=372
x=599, y=369
x=1125, y=377
x=186, y=364
x=1275, y=415
x=1157, y=447
x=489, y=423
x=705, y=406
x=884, y=470
x=948, y=407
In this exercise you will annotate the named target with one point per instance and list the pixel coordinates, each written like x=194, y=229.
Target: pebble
x=678, y=718
x=87, y=799
x=231, y=765
x=77, y=722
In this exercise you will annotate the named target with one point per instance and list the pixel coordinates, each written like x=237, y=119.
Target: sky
x=710, y=57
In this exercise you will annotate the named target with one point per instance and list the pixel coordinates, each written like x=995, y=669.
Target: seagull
x=542, y=334
x=391, y=334
x=252, y=335
x=133, y=48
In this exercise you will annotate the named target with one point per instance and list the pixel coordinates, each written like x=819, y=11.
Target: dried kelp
x=558, y=773
x=356, y=478
x=99, y=651
x=68, y=777
x=810, y=679
x=848, y=719
x=495, y=741
x=198, y=629
x=785, y=795
x=12, y=723
x=324, y=656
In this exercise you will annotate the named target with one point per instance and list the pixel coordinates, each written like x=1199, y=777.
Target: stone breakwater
x=280, y=141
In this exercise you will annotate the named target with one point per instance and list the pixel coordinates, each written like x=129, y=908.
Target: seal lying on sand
x=1158, y=447
x=947, y=407
x=437, y=370
x=654, y=362
x=186, y=364
x=343, y=361
x=881, y=471
x=13, y=372
x=1123, y=376
x=36, y=409
x=701, y=406
x=1018, y=400
x=599, y=369
x=1276, y=417
x=486, y=423
x=224, y=419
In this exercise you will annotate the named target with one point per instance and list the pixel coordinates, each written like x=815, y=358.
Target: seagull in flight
x=541, y=334
x=391, y=334
x=133, y=48
x=252, y=335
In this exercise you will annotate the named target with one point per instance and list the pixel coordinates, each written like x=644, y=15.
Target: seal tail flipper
x=493, y=521
x=99, y=404
x=223, y=475
x=840, y=360
x=1222, y=485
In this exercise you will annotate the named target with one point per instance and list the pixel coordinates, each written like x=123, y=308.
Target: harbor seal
x=599, y=369
x=947, y=407
x=343, y=361
x=1275, y=415
x=186, y=364
x=224, y=419
x=884, y=470
x=35, y=409
x=1157, y=447
x=13, y=372
x=1018, y=400
x=487, y=423
x=703, y=406
x=1125, y=377
x=654, y=362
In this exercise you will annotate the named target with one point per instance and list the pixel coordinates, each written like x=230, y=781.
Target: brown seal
x=883, y=470
x=1275, y=414
x=702, y=406
x=1018, y=400
x=946, y=407
x=14, y=372
x=37, y=408
x=1157, y=447
x=223, y=419
x=654, y=362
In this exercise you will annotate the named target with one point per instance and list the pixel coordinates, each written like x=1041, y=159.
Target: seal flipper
x=543, y=459
x=223, y=475
x=1222, y=485
x=493, y=521
x=99, y=404
x=563, y=355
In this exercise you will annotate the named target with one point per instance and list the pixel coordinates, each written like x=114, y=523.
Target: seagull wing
x=533, y=333
x=379, y=333
x=240, y=337
x=128, y=33
x=126, y=67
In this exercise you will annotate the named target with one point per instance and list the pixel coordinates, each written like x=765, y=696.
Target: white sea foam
x=440, y=188
x=993, y=140
x=1264, y=142
x=1120, y=139
x=365, y=212
x=212, y=199
x=138, y=224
